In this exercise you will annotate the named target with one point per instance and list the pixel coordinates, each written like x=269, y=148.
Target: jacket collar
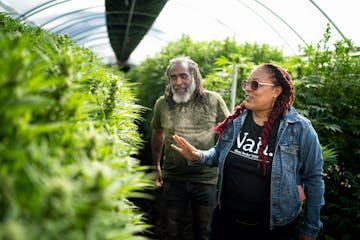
x=291, y=116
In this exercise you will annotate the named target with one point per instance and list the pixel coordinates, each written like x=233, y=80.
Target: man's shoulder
x=160, y=100
x=214, y=98
x=212, y=94
x=160, y=104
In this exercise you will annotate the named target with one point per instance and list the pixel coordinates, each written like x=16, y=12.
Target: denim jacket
x=297, y=160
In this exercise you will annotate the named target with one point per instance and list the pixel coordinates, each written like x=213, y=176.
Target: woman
x=267, y=155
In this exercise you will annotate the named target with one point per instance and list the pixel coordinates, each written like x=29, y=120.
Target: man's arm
x=157, y=144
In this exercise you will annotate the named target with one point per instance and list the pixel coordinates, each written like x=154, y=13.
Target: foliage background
x=73, y=130
x=327, y=80
x=211, y=57
x=328, y=87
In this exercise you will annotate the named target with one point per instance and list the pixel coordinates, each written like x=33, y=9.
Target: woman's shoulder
x=293, y=117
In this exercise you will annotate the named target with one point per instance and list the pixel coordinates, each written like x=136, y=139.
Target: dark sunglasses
x=254, y=85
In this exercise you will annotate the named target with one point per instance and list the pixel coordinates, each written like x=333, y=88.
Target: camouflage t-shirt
x=195, y=122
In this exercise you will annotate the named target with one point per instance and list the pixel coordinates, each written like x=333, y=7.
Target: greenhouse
x=80, y=81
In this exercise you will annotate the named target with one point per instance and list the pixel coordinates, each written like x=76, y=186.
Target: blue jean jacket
x=297, y=160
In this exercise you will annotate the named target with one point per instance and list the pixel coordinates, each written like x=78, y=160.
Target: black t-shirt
x=246, y=188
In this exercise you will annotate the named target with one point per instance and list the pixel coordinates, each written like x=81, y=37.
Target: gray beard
x=183, y=98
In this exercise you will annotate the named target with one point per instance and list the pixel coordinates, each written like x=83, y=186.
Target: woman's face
x=264, y=97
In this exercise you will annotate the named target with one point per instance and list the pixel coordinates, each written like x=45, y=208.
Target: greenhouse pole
x=329, y=19
x=233, y=88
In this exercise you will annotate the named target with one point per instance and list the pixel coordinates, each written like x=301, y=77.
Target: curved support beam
x=40, y=8
x=281, y=19
x=87, y=17
x=270, y=25
x=89, y=37
x=68, y=14
x=8, y=8
x=77, y=33
x=74, y=22
x=329, y=19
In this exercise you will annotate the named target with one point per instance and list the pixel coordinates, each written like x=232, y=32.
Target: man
x=188, y=110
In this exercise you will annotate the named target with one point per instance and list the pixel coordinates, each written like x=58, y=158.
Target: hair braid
x=282, y=104
x=278, y=110
x=238, y=110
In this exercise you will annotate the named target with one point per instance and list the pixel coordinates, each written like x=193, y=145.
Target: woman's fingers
x=176, y=148
x=184, y=148
x=181, y=141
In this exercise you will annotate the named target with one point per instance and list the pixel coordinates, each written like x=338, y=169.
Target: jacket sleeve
x=312, y=179
x=211, y=157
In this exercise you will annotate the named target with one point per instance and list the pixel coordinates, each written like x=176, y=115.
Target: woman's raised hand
x=185, y=148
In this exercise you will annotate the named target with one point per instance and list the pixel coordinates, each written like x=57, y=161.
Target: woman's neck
x=260, y=117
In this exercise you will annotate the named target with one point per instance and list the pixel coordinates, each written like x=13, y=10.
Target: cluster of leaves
x=66, y=139
x=327, y=79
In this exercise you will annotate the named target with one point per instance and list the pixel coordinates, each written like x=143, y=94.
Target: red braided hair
x=284, y=100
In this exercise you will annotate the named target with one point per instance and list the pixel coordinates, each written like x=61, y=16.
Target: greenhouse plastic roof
x=126, y=31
